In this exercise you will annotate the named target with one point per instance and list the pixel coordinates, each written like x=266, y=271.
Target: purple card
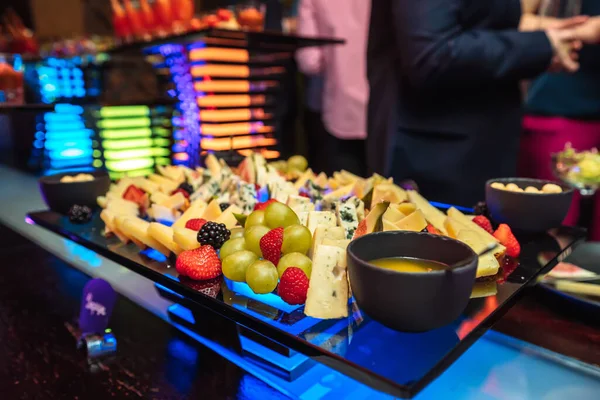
x=96, y=306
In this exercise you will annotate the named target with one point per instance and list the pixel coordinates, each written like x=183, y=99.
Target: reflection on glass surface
x=401, y=363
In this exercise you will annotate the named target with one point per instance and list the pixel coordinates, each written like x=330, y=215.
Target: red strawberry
x=508, y=240
x=195, y=224
x=293, y=286
x=484, y=223
x=200, y=264
x=134, y=194
x=223, y=14
x=304, y=194
x=432, y=229
x=182, y=191
x=508, y=267
x=262, y=206
x=270, y=245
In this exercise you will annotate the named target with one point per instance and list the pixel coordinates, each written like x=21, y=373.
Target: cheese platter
x=264, y=245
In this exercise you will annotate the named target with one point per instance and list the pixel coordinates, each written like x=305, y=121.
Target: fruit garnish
x=279, y=215
x=304, y=194
x=432, y=229
x=296, y=238
x=224, y=206
x=213, y=234
x=200, y=264
x=210, y=287
x=252, y=236
x=236, y=264
x=195, y=224
x=231, y=246
x=134, y=194
x=262, y=276
x=484, y=223
x=187, y=187
x=293, y=286
x=79, y=214
x=508, y=266
x=182, y=191
x=262, y=206
x=481, y=208
x=508, y=240
x=297, y=260
x=270, y=245
x=224, y=14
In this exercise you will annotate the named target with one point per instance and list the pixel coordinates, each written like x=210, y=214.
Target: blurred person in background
x=565, y=108
x=449, y=70
x=343, y=70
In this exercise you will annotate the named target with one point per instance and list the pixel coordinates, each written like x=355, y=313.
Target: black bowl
x=60, y=196
x=528, y=212
x=411, y=302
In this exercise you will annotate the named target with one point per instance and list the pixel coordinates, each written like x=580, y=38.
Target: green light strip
x=135, y=153
x=129, y=165
x=163, y=161
x=137, y=172
x=125, y=133
x=160, y=142
x=140, y=122
x=126, y=144
x=124, y=111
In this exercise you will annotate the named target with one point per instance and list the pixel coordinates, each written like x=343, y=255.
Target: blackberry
x=79, y=214
x=224, y=206
x=213, y=234
x=481, y=208
x=187, y=187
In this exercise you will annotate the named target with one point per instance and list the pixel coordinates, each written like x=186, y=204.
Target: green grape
x=262, y=277
x=297, y=260
x=237, y=232
x=235, y=265
x=279, y=215
x=231, y=246
x=255, y=218
x=296, y=239
x=253, y=236
x=298, y=163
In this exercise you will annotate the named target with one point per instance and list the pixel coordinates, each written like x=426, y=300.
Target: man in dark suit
x=445, y=106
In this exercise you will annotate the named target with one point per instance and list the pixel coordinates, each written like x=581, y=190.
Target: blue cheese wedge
x=316, y=218
x=347, y=218
x=327, y=296
x=303, y=217
x=207, y=191
x=300, y=205
x=245, y=197
x=360, y=207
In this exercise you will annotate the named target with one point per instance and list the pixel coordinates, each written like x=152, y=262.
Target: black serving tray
x=397, y=363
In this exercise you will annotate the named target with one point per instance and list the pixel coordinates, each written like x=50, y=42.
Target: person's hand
x=565, y=45
x=565, y=23
x=530, y=6
x=589, y=32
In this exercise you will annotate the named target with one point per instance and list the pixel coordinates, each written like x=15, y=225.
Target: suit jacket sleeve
x=434, y=47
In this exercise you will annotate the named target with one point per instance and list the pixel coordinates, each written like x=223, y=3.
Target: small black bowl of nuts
x=528, y=205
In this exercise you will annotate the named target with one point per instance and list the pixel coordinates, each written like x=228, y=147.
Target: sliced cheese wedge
x=453, y=227
x=405, y=208
x=432, y=214
x=228, y=218
x=185, y=238
x=164, y=235
x=392, y=214
x=213, y=211
x=414, y=222
x=488, y=264
x=327, y=295
x=343, y=191
x=138, y=228
x=389, y=225
x=482, y=233
x=196, y=210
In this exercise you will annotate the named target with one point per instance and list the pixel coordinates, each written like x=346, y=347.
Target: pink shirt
x=343, y=67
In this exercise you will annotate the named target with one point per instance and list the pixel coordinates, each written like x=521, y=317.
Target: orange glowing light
x=241, y=71
x=268, y=154
x=217, y=54
x=181, y=156
x=235, y=143
x=234, y=100
x=222, y=86
x=241, y=128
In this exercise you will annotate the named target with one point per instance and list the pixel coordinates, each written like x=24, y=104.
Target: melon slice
x=373, y=220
